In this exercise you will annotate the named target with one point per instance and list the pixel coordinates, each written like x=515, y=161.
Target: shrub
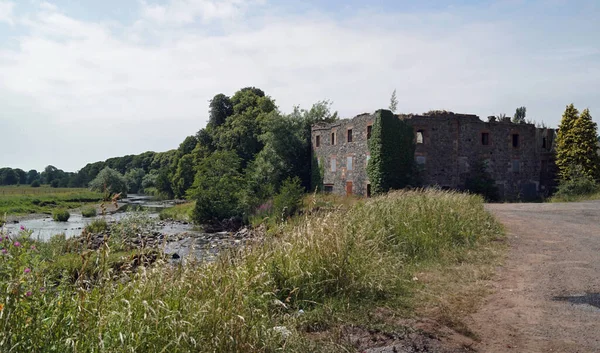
x=55, y=183
x=289, y=199
x=574, y=188
x=97, y=226
x=35, y=184
x=89, y=212
x=481, y=182
x=61, y=215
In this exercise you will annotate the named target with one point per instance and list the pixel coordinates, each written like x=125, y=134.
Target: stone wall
x=448, y=145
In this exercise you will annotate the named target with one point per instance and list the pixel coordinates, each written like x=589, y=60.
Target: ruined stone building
x=519, y=157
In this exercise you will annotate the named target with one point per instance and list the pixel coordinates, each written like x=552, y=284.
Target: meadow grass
x=332, y=268
x=575, y=198
x=19, y=200
x=181, y=212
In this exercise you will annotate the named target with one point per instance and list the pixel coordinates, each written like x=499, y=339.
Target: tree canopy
x=577, y=145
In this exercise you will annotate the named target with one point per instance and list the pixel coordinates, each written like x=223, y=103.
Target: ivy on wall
x=392, y=150
x=317, y=171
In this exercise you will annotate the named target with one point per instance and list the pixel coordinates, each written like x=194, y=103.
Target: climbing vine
x=392, y=150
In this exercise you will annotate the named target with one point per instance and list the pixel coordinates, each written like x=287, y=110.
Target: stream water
x=44, y=227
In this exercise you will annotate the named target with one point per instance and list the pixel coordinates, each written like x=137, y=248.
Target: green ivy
x=392, y=149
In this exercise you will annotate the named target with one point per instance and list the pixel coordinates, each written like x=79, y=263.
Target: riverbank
x=323, y=282
x=25, y=200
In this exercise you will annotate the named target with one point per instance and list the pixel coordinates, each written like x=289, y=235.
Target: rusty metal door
x=348, y=188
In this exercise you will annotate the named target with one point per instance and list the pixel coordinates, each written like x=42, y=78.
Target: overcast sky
x=84, y=80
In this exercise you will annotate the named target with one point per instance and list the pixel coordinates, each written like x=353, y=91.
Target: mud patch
x=421, y=336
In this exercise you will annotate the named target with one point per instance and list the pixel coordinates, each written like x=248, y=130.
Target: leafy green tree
x=184, y=175
x=289, y=199
x=8, y=176
x=519, y=117
x=109, y=181
x=241, y=131
x=393, y=102
x=50, y=173
x=217, y=187
x=134, y=179
x=220, y=109
x=577, y=145
x=392, y=150
x=32, y=175
x=187, y=146
x=22, y=176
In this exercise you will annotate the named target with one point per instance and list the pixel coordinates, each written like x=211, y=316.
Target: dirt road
x=547, y=296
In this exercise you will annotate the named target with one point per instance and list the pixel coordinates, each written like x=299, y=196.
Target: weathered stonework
x=519, y=156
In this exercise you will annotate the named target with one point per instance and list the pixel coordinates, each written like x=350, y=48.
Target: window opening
x=485, y=138
x=420, y=136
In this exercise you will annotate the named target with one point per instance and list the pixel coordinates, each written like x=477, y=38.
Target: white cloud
x=85, y=78
x=6, y=12
x=181, y=12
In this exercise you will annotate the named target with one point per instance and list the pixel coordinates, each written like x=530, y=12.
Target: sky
x=85, y=80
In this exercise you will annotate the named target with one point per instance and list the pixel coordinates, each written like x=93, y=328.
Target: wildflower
x=27, y=270
x=33, y=247
x=17, y=244
x=28, y=294
x=1, y=306
x=22, y=228
x=4, y=251
x=43, y=289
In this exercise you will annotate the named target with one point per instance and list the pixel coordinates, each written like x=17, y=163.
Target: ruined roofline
x=434, y=114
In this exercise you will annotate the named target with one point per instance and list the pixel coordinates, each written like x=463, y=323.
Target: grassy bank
x=333, y=268
x=178, y=213
x=19, y=200
x=575, y=197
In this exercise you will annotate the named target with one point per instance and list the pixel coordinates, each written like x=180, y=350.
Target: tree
x=49, y=174
x=134, y=179
x=109, y=181
x=32, y=175
x=184, y=175
x=241, y=131
x=220, y=109
x=187, y=146
x=217, y=187
x=393, y=102
x=519, y=117
x=577, y=146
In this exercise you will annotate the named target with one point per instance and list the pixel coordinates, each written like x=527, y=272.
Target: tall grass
x=339, y=260
x=24, y=199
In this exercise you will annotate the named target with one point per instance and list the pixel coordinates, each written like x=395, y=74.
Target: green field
x=19, y=200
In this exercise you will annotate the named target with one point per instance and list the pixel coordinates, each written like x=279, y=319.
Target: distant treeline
x=238, y=162
x=146, y=162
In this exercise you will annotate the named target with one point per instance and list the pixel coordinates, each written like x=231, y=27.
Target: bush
x=289, y=199
x=55, y=183
x=576, y=188
x=35, y=184
x=481, y=182
x=61, y=215
x=89, y=212
x=97, y=226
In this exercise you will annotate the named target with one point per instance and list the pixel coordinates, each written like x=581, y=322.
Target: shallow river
x=44, y=226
